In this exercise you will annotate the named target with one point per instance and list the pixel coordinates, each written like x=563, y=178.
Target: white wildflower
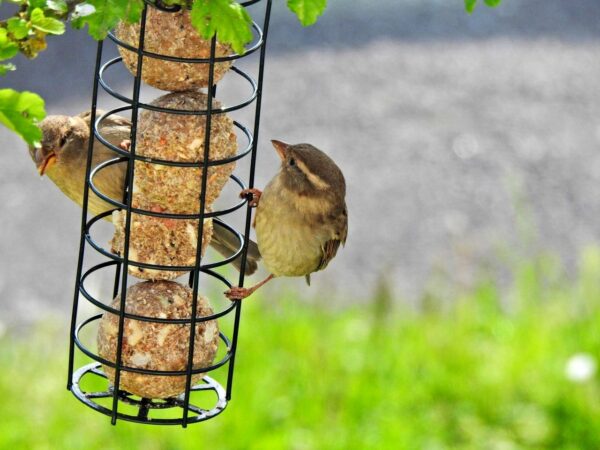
x=580, y=367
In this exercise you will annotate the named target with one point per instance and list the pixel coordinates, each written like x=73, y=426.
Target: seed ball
x=160, y=241
x=157, y=346
x=180, y=138
x=171, y=34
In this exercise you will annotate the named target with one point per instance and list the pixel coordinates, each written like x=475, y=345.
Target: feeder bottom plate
x=142, y=409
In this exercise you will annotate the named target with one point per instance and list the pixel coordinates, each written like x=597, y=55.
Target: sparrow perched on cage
x=301, y=216
x=62, y=156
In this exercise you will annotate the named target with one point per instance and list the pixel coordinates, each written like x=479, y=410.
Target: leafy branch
x=35, y=20
x=26, y=33
x=27, y=30
x=20, y=111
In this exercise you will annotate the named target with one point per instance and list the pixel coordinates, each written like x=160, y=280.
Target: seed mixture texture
x=161, y=241
x=171, y=34
x=176, y=137
x=157, y=346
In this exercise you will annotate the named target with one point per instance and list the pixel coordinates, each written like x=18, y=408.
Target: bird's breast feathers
x=289, y=233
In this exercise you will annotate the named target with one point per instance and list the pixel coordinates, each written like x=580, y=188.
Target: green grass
x=487, y=372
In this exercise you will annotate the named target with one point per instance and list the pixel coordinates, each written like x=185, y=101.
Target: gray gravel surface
x=467, y=142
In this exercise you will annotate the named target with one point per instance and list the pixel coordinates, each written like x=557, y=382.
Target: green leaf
x=8, y=48
x=20, y=111
x=471, y=4
x=5, y=68
x=228, y=19
x=201, y=20
x=18, y=27
x=33, y=4
x=46, y=24
x=134, y=11
x=58, y=6
x=308, y=11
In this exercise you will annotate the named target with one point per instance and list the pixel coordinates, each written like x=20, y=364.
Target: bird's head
x=63, y=139
x=306, y=170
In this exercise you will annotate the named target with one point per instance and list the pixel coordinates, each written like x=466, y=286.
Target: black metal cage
x=109, y=398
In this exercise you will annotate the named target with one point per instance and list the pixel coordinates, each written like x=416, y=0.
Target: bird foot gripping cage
x=99, y=384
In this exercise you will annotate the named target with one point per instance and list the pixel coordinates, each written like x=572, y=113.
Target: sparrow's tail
x=226, y=243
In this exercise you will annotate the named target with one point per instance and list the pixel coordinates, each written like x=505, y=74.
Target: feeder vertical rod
x=214, y=94
x=130, y=175
x=238, y=308
x=117, y=276
x=86, y=191
x=196, y=271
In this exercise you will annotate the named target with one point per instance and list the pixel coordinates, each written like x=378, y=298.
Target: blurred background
x=463, y=311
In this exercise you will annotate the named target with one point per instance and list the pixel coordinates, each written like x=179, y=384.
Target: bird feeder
x=160, y=344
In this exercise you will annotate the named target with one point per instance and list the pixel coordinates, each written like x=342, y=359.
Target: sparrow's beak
x=281, y=148
x=44, y=159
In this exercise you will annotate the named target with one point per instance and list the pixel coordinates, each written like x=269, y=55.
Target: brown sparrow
x=301, y=216
x=63, y=155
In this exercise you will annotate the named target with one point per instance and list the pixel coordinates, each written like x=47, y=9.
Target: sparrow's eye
x=63, y=141
x=292, y=162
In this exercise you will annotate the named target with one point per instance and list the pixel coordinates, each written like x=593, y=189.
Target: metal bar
x=129, y=195
x=86, y=191
x=117, y=277
x=238, y=309
x=144, y=408
x=196, y=271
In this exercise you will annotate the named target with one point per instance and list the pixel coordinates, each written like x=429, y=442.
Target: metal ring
x=205, y=268
x=196, y=164
x=144, y=405
x=167, y=373
x=112, y=310
x=165, y=215
x=258, y=43
x=199, y=112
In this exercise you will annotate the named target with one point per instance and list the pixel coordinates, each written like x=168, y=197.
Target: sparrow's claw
x=238, y=293
x=253, y=196
x=125, y=144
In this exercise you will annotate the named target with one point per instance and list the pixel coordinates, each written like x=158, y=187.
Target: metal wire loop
x=256, y=43
x=193, y=164
x=147, y=405
x=164, y=215
x=168, y=373
x=205, y=268
x=104, y=306
x=198, y=112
